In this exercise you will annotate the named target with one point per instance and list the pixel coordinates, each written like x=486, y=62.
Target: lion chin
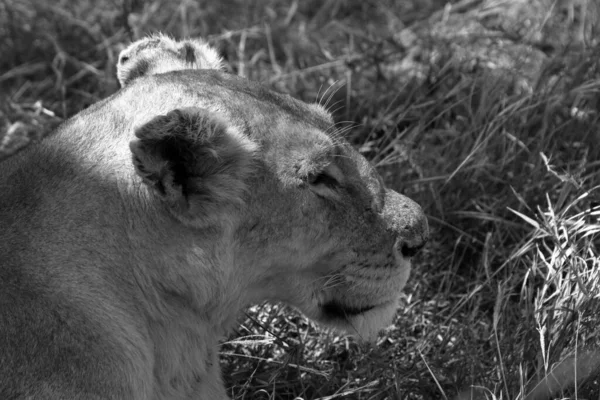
x=363, y=322
x=363, y=308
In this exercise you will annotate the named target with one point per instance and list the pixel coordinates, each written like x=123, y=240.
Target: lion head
x=304, y=209
x=159, y=54
x=134, y=235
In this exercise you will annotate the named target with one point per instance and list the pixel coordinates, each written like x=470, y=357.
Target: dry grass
x=505, y=301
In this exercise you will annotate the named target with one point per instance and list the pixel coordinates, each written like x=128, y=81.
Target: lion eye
x=123, y=59
x=322, y=178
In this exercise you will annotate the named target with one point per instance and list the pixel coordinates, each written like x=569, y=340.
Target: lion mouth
x=335, y=310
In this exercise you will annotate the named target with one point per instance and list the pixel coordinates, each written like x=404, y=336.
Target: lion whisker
x=330, y=95
x=333, y=93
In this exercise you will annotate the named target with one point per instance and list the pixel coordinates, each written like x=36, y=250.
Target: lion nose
x=409, y=248
x=407, y=221
x=413, y=236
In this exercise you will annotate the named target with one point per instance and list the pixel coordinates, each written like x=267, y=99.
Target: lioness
x=132, y=236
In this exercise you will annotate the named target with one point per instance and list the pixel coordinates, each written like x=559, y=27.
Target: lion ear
x=194, y=162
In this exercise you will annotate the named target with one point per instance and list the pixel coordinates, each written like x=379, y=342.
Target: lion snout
x=407, y=222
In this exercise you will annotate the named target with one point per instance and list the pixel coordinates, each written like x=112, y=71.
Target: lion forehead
x=265, y=116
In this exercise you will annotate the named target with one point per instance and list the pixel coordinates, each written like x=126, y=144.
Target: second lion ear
x=194, y=162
